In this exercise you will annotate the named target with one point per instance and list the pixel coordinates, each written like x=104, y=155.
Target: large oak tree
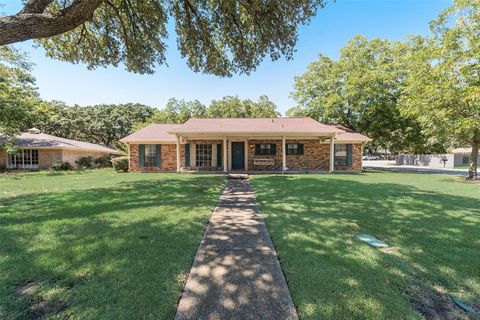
x=443, y=87
x=219, y=37
x=361, y=90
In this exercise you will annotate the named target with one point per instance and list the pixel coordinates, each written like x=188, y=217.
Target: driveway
x=390, y=166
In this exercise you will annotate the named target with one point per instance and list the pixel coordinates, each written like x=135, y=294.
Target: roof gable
x=152, y=132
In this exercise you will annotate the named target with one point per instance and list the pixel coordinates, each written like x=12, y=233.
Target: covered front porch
x=256, y=153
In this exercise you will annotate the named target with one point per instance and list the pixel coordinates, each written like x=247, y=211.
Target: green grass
x=99, y=244
x=432, y=223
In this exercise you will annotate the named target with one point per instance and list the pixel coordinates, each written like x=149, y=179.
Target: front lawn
x=99, y=244
x=432, y=223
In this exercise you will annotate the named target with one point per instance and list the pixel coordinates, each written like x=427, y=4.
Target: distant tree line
x=21, y=108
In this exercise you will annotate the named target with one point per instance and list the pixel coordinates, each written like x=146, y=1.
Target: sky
x=327, y=33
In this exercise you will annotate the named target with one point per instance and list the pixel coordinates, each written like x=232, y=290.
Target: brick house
x=260, y=144
x=37, y=150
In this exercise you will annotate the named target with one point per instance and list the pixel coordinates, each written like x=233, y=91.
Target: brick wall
x=316, y=157
x=48, y=156
x=73, y=155
x=3, y=159
x=277, y=158
x=169, y=158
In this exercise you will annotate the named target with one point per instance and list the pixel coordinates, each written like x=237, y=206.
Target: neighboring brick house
x=37, y=150
x=226, y=144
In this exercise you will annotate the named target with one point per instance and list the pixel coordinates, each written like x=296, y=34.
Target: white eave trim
x=255, y=134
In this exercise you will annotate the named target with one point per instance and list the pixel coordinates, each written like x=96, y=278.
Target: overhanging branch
x=26, y=26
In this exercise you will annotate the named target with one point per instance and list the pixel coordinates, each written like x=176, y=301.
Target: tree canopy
x=443, y=89
x=234, y=107
x=216, y=37
x=361, y=91
x=18, y=93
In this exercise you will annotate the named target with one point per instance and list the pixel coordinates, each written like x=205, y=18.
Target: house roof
x=254, y=125
x=36, y=139
x=349, y=135
x=153, y=132
x=238, y=126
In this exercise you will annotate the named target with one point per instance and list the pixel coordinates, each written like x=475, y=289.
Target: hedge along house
x=260, y=144
x=36, y=150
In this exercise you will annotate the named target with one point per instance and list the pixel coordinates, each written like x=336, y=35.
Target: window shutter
x=187, y=155
x=219, y=155
x=349, y=155
x=257, y=149
x=141, y=155
x=158, y=159
x=300, y=148
x=273, y=148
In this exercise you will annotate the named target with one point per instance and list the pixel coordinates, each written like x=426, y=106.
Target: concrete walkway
x=236, y=273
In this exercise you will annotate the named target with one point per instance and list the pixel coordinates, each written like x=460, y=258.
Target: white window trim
x=22, y=165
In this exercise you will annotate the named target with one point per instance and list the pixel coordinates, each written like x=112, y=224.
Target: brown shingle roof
x=153, y=132
x=254, y=125
x=166, y=132
x=350, y=136
x=43, y=141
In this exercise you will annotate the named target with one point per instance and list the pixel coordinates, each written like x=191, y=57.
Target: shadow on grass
x=312, y=220
x=109, y=253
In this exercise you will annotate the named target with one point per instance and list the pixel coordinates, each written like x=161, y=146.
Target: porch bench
x=263, y=162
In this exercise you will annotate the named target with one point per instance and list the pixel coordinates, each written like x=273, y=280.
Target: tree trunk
x=472, y=170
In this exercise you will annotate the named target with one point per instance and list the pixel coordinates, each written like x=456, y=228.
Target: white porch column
x=332, y=153
x=178, y=154
x=284, y=155
x=225, y=155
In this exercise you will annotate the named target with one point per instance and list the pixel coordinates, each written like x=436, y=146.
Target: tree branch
x=26, y=26
x=36, y=6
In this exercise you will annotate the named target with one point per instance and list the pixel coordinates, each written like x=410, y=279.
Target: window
x=23, y=159
x=294, y=149
x=340, y=154
x=264, y=149
x=466, y=160
x=203, y=155
x=150, y=158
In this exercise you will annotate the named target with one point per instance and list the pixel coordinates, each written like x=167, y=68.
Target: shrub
x=103, y=162
x=85, y=162
x=61, y=166
x=120, y=164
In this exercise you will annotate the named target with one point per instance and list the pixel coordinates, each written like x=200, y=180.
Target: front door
x=238, y=155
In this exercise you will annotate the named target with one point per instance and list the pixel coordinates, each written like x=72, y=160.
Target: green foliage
x=61, y=166
x=103, y=162
x=234, y=107
x=103, y=124
x=85, y=162
x=215, y=37
x=360, y=91
x=120, y=164
x=443, y=87
x=179, y=111
x=18, y=93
